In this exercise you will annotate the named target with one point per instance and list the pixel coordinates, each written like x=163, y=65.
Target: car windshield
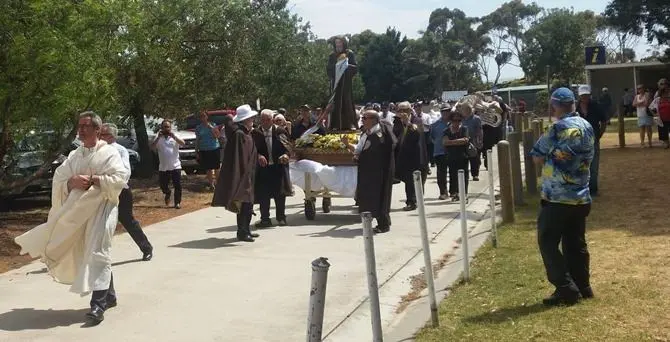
x=192, y=121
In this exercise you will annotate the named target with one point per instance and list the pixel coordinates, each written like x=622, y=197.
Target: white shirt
x=168, y=154
x=125, y=158
x=268, y=142
x=389, y=117
x=364, y=138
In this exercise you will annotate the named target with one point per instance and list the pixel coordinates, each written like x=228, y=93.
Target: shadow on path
x=36, y=319
x=210, y=243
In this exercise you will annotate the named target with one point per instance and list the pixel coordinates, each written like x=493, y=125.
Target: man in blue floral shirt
x=565, y=153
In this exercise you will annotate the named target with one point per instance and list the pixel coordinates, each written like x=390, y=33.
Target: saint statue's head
x=339, y=44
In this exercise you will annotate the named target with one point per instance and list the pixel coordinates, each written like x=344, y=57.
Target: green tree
x=638, y=17
x=52, y=67
x=557, y=40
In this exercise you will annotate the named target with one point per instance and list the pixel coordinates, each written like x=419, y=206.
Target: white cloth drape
x=339, y=179
x=76, y=240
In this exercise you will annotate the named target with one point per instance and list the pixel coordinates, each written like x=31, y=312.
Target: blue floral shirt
x=568, y=148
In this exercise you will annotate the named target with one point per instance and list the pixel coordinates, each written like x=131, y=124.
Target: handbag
x=471, y=151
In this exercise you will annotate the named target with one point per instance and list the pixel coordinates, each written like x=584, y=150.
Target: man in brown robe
x=236, y=179
x=272, y=172
x=343, y=117
x=376, y=167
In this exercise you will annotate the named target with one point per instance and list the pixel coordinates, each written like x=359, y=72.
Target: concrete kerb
x=406, y=324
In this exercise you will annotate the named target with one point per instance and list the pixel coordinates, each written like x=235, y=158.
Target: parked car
x=30, y=153
x=187, y=153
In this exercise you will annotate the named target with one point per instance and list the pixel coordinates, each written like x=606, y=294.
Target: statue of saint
x=341, y=70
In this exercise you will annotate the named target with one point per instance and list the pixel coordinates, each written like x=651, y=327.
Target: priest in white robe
x=76, y=240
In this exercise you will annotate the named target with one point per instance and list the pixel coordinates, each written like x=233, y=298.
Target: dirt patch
x=25, y=214
x=418, y=283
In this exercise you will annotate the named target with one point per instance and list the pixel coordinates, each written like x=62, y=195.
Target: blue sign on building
x=595, y=55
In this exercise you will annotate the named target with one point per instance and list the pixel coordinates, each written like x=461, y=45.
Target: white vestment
x=76, y=240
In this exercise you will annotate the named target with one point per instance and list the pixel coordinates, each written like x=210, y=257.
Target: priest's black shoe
x=146, y=256
x=380, y=230
x=409, y=207
x=96, y=315
x=111, y=303
x=247, y=238
x=561, y=298
x=254, y=235
x=263, y=224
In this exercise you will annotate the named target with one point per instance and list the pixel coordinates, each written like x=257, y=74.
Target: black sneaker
x=167, y=199
x=561, y=298
x=475, y=178
x=263, y=224
x=587, y=292
x=409, y=207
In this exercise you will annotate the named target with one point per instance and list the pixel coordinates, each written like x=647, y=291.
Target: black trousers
x=244, y=220
x=280, y=206
x=663, y=131
x=102, y=297
x=475, y=164
x=564, y=224
x=410, y=193
x=455, y=165
x=164, y=178
x=128, y=221
x=442, y=167
x=429, y=147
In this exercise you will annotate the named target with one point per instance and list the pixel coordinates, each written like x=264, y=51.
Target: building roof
x=624, y=65
x=519, y=88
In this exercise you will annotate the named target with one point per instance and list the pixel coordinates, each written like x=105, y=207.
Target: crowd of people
x=248, y=157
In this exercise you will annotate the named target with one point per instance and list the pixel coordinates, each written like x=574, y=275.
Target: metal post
x=463, y=196
x=505, y=178
x=317, y=299
x=418, y=188
x=515, y=161
x=492, y=200
x=371, y=268
x=529, y=165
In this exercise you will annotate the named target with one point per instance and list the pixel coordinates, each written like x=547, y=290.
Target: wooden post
x=505, y=178
x=526, y=123
x=518, y=122
x=515, y=163
x=537, y=132
x=542, y=129
x=622, y=129
x=529, y=165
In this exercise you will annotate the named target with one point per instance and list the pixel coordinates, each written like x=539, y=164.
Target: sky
x=411, y=16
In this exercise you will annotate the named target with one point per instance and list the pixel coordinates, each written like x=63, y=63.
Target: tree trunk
x=146, y=167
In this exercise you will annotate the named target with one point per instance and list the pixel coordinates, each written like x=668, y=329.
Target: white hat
x=244, y=112
x=584, y=90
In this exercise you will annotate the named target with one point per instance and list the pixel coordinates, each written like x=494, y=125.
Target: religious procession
x=346, y=163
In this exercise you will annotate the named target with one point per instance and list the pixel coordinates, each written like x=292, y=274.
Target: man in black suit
x=272, y=174
x=411, y=154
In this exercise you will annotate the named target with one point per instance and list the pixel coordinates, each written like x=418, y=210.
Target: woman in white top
x=644, y=120
x=169, y=166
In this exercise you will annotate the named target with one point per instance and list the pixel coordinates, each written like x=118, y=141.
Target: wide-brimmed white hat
x=244, y=112
x=584, y=90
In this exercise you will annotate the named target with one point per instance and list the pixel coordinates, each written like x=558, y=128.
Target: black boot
x=562, y=296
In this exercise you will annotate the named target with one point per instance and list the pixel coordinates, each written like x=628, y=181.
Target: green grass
x=502, y=302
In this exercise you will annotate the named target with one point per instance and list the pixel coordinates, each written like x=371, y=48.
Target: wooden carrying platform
x=326, y=157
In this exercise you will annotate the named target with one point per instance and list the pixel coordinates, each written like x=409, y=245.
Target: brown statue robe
x=376, y=168
x=238, y=170
x=343, y=116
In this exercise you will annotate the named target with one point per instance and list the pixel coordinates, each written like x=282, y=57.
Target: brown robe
x=343, y=116
x=238, y=170
x=376, y=167
x=272, y=179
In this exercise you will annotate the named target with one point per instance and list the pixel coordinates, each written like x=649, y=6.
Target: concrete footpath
x=203, y=285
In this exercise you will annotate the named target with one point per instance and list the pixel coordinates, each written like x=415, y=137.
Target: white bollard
x=317, y=299
x=462, y=194
x=492, y=201
x=418, y=188
x=371, y=268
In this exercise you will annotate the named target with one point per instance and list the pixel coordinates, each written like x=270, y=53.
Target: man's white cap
x=584, y=90
x=244, y=112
